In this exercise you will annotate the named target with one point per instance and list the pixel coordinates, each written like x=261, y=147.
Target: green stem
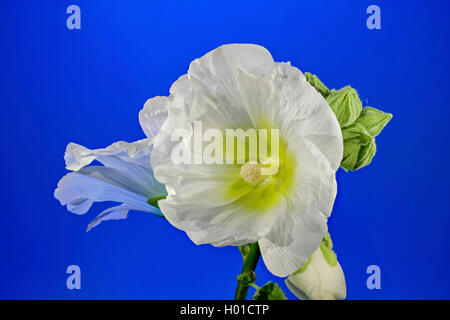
x=253, y=285
x=250, y=262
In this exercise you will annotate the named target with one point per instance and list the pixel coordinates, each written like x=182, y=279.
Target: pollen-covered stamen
x=251, y=172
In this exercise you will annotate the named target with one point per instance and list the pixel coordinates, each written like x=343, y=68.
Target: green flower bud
x=359, y=147
x=359, y=126
x=316, y=83
x=374, y=120
x=321, y=278
x=345, y=104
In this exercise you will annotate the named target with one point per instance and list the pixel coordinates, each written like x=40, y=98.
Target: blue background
x=87, y=86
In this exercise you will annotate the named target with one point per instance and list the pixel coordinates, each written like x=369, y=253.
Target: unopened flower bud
x=345, y=104
x=321, y=277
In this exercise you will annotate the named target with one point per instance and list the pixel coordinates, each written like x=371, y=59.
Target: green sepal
x=359, y=147
x=303, y=267
x=326, y=241
x=326, y=246
x=345, y=104
x=316, y=83
x=154, y=201
x=269, y=291
x=374, y=120
x=327, y=250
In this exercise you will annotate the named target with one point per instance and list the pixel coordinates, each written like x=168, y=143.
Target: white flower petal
x=213, y=77
x=78, y=190
x=132, y=159
x=305, y=113
x=299, y=232
x=153, y=115
x=116, y=213
x=220, y=65
x=126, y=177
x=233, y=220
x=201, y=233
x=138, y=152
x=317, y=122
x=199, y=184
x=315, y=182
x=292, y=239
x=113, y=213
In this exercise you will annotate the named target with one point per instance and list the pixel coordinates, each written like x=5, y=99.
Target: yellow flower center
x=251, y=172
x=258, y=189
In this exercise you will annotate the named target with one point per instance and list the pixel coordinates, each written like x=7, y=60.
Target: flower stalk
x=247, y=275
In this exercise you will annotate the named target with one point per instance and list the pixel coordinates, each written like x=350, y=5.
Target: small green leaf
x=269, y=291
x=345, y=104
x=374, y=120
x=316, y=83
x=327, y=250
x=359, y=147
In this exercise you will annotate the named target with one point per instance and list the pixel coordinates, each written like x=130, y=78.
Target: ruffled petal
x=116, y=213
x=293, y=239
x=138, y=152
x=304, y=113
x=297, y=233
x=113, y=213
x=213, y=79
x=315, y=120
x=132, y=159
x=126, y=177
x=153, y=115
x=217, y=222
x=78, y=190
x=220, y=65
x=203, y=232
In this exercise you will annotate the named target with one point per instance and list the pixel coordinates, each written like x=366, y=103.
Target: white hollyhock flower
x=240, y=86
x=125, y=177
x=321, y=278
